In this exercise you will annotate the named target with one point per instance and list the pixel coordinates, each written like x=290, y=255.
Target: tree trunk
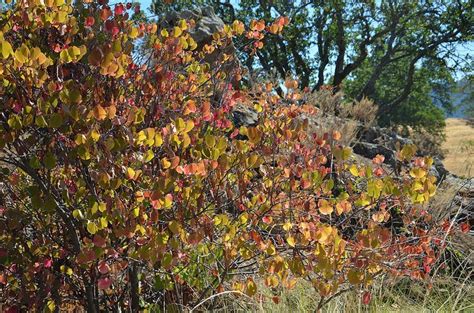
x=134, y=293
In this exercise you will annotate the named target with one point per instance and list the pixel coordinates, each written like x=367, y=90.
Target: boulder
x=207, y=23
x=383, y=136
x=244, y=116
x=370, y=150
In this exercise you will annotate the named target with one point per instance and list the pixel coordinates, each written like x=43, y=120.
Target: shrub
x=126, y=185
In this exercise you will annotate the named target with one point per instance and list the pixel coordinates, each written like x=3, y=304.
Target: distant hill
x=464, y=88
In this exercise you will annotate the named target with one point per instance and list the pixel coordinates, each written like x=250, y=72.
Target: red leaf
x=115, y=31
x=105, y=14
x=48, y=263
x=90, y=20
x=234, y=133
x=103, y=267
x=99, y=241
x=378, y=159
x=366, y=298
x=109, y=25
x=465, y=227
x=119, y=9
x=104, y=283
x=378, y=172
x=137, y=9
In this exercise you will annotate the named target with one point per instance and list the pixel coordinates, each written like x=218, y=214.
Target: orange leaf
x=99, y=112
x=325, y=207
x=190, y=107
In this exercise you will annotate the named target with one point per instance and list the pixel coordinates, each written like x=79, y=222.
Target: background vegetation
x=400, y=54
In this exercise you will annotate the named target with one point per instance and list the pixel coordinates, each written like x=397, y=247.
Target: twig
x=216, y=295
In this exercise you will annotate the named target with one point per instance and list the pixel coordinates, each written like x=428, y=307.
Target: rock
x=370, y=150
x=438, y=170
x=383, y=136
x=244, y=116
x=207, y=23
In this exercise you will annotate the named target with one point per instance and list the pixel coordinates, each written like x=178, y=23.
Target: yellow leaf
x=182, y=24
x=22, y=54
x=291, y=241
x=210, y=140
x=130, y=173
x=133, y=33
x=174, y=227
x=158, y=140
x=103, y=222
x=271, y=250
x=80, y=139
x=77, y=214
x=417, y=173
x=165, y=163
x=91, y=227
x=51, y=305
x=95, y=135
x=177, y=32
x=354, y=170
x=243, y=218
x=7, y=49
x=271, y=281
x=168, y=201
x=251, y=287
x=148, y=156
x=189, y=126
x=258, y=107
x=136, y=212
x=102, y=207
x=95, y=208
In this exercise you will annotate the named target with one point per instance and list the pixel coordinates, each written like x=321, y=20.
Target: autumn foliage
x=125, y=184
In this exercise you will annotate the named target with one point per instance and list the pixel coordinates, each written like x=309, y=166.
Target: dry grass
x=445, y=295
x=459, y=147
x=336, y=113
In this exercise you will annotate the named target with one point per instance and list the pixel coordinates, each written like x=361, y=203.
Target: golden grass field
x=459, y=147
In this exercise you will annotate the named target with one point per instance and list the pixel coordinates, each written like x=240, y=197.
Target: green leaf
x=355, y=277
x=49, y=160
x=35, y=162
x=56, y=120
